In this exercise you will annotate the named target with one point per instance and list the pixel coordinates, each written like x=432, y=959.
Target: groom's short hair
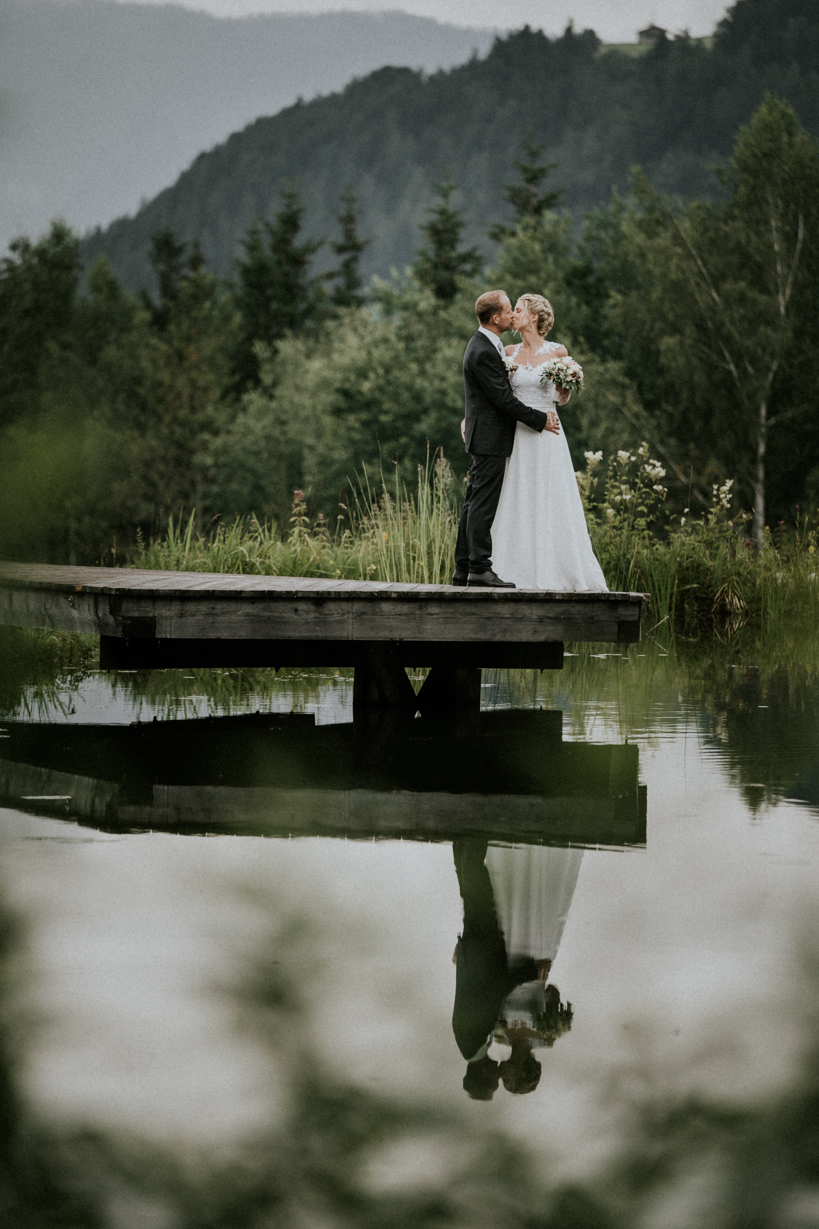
x=489, y=304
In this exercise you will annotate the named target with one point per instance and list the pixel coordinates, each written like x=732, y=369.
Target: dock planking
x=154, y=619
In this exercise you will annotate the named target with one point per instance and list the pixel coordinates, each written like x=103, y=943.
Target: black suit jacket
x=482, y=981
x=492, y=409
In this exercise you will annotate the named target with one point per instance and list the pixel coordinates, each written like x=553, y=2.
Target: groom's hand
x=552, y=422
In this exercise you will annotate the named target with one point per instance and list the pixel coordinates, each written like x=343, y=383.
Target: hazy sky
x=613, y=22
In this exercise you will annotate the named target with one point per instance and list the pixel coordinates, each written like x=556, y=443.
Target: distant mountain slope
x=103, y=104
x=674, y=110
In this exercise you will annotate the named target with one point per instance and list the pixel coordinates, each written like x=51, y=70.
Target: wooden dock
x=149, y=620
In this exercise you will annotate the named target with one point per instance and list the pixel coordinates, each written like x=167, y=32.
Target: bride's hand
x=563, y=394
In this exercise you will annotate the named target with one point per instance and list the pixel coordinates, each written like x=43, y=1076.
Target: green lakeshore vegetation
x=172, y=428
x=703, y=573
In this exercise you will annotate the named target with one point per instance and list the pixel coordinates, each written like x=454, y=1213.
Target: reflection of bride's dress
x=533, y=887
x=539, y=535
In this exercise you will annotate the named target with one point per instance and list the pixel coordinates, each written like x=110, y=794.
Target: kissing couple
x=522, y=517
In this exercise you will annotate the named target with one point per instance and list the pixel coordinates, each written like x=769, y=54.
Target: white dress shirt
x=493, y=337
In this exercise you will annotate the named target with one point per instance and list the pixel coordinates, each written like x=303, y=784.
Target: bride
x=539, y=534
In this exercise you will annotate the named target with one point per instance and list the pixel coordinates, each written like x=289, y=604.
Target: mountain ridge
x=674, y=110
x=102, y=105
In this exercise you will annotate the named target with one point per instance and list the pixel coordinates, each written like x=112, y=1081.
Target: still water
x=244, y=912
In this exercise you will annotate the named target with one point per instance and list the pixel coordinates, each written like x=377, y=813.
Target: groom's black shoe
x=487, y=580
x=460, y=578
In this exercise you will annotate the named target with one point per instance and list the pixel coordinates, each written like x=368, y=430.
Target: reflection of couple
x=515, y=904
x=523, y=517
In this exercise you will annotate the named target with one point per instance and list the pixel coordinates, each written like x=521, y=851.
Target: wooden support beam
x=381, y=681
x=447, y=689
x=140, y=653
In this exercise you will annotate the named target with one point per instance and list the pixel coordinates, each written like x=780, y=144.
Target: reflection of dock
x=157, y=619
x=503, y=775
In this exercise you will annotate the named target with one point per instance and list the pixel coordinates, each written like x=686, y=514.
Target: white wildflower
x=722, y=494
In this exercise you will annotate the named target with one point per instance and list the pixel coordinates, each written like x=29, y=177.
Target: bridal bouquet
x=564, y=372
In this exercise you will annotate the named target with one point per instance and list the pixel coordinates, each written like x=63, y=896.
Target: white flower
x=593, y=458
x=623, y=456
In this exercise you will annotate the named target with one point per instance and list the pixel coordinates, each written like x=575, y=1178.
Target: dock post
x=448, y=689
x=380, y=681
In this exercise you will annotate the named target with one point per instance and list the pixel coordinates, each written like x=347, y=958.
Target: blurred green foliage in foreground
x=334, y=1149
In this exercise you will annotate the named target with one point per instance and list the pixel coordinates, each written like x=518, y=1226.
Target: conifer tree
x=172, y=261
x=347, y=292
x=38, y=289
x=275, y=293
x=527, y=198
x=441, y=263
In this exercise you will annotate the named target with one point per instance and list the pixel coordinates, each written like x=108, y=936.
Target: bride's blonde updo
x=541, y=308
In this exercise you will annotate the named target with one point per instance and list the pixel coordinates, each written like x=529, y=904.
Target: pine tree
x=172, y=261
x=38, y=292
x=441, y=263
x=527, y=198
x=347, y=292
x=275, y=293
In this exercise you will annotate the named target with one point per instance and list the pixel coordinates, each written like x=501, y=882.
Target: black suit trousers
x=473, y=551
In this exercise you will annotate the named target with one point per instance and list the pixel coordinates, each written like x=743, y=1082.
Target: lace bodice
x=526, y=383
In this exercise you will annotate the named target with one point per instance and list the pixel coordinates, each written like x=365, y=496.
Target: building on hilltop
x=652, y=34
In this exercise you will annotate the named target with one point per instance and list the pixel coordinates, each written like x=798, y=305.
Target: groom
x=492, y=413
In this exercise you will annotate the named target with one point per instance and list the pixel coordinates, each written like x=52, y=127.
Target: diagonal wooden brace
x=447, y=689
x=381, y=681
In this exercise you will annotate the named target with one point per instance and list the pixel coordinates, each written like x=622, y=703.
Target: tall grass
x=383, y=533
x=702, y=573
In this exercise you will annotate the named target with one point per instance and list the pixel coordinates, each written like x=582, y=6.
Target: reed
x=385, y=532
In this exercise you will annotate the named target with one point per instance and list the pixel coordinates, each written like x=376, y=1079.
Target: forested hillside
x=104, y=104
x=674, y=111
x=694, y=315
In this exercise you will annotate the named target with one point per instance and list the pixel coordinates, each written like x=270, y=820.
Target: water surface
x=248, y=890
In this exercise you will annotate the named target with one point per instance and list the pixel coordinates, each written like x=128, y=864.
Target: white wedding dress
x=539, y=535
